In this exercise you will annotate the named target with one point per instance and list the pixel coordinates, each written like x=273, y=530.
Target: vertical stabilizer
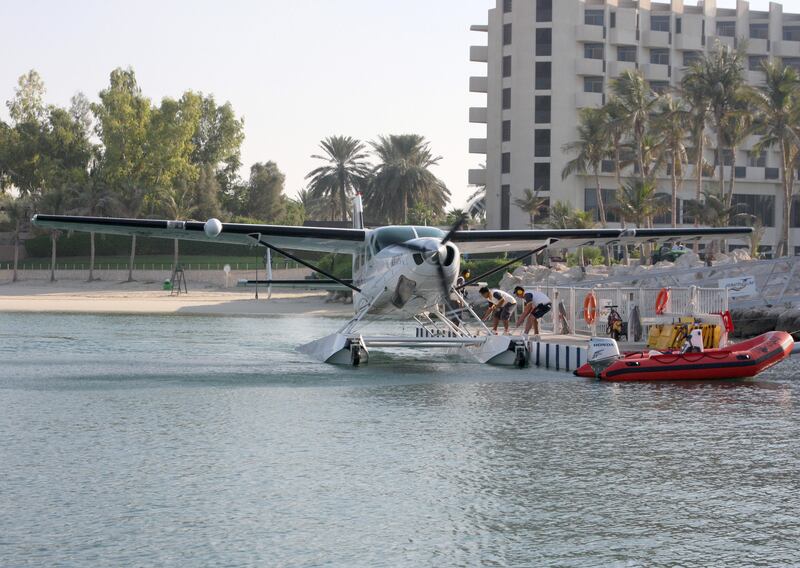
x=358, y=212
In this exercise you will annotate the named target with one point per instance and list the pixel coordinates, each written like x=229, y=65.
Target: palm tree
x=636, y=104
x=403, y=178
x=718, y=78
x=591, y=147
x=177, y=203
x=639, y=202
x=615, y=130
x=94, y=199
x=313, y=206
x=692, y=91
x=715, y=210
x=345, y=173
x=777, y=121
x=737, y=126
x=531, y=204
x=671, y=124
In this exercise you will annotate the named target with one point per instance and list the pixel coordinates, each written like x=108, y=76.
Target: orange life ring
x=590, y=308
x=661, y=301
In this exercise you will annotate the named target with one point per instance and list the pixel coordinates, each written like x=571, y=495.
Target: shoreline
x=146, y=298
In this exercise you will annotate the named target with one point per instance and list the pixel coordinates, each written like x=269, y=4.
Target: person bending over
x=537, y=305
x=501, y=306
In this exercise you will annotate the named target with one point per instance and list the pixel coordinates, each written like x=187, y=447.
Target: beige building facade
x=547, y=59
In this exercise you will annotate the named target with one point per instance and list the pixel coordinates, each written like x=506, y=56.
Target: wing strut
x=257, y=236
x=502, y=266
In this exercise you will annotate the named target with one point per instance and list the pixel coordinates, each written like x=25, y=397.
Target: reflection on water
x=203, y=441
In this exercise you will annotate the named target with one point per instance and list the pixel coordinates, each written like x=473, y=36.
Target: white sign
x=742, y=287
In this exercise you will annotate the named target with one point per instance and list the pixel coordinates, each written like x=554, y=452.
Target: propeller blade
x=462, y=219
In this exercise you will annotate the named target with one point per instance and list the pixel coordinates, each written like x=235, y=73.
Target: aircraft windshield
x=387, y=236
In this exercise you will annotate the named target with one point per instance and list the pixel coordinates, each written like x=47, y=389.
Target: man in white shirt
x=501, y=304
x=537, y=305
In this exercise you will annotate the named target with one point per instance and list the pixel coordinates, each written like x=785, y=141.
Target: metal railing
x=682, y=302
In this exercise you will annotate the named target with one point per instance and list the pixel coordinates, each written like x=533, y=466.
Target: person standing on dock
x=501, y=305
x=537, y=305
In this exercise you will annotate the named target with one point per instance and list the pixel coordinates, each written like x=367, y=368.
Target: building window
x=506, y=134
x=793, y=62
x=626, y=53
x=755, y=61
x=772, y=173
x=678, y=25
x=659, y=87
x=593, y=51
x=593, y=18
x=691, y=57
x=544, y=42
x=759, y=31
x=612, y=19
x=791, y=33
x=505, y=163
x=505, y=206
x=608, y=166
x=727, y=157
x=541, y=143
x=506, y=66
x=757, y=159
x=544, y=10
x=544, y=71
x=659, y=23
x=592, y=84
x=609, y=204
x=507, y=98
x=659, y=56
x=726, y=29
x=506, y=34
x=762, y=206
x=542, y=112
x=507, y=6
x=541, y=176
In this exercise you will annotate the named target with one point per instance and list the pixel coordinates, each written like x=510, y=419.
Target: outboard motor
x=603, y=351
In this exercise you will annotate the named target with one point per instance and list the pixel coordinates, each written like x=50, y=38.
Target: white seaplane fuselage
x=398, y=273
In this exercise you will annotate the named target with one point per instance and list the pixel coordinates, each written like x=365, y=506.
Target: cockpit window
x=387, y=236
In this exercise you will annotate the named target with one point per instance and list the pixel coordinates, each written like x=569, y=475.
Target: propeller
x=462, y=219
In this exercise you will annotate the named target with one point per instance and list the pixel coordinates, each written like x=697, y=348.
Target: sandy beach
x=148, y=298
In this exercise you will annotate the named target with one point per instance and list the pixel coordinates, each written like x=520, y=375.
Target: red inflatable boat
x=738, y=361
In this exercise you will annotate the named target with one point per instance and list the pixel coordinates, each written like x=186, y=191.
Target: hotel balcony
x=478, y=115
x=785, y=48
x=477, y=177
x=589, y=67
x=655, y=72
x=477, y=145
x=757, y=46
x=689, y=42
x=616, y=68
x=722, y=40
x=584, y=32
x=479, y=53
x=622, y=36
x=583, y=100
x=478, y=84
x=651, y=38
x=755, y=77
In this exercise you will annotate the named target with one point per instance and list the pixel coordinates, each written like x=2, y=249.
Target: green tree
x=207, y=191
x=532, y=204
x=635, y=103
x=18, y=211
x=718, y=79
x=345, y=173
x=639, y=202
x=28, y=102
x=403, y=178
x=314, y=207
x=217, y=141
x=778, y=123
x=592, y=146
x=265, y=192
x=672, y=123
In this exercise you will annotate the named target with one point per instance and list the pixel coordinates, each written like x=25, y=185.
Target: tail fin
x=358, y=212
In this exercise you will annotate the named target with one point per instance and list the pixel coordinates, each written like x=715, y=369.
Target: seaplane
x=409, y=272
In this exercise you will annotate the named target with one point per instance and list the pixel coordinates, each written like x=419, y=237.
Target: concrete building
x=546, y=59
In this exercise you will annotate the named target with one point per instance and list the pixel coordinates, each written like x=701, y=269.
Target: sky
x=297, y=70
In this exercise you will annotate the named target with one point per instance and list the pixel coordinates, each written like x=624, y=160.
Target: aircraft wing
x=474, y=242
x=320, y=239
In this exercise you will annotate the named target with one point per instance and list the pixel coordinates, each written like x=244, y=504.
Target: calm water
x=192, y=441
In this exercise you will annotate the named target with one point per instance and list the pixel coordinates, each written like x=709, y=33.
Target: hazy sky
x=297, y=70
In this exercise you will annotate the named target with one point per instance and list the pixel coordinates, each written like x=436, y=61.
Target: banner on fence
x=741, y=287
